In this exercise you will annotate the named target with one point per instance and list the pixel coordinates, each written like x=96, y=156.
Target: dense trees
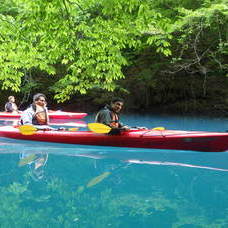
x=78, y=46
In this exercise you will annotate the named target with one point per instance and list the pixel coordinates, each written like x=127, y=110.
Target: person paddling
x=11, y=106
x=37, y=113
x=109, y=115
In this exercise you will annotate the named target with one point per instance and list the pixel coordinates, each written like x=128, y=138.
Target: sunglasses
x=42, y=100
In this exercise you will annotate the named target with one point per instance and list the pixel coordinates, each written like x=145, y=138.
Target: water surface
x=59, y=185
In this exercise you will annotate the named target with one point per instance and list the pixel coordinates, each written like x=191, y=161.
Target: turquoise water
x=58, y=185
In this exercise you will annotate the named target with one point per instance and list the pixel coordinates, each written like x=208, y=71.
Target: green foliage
x=67, y=47
x=193, y=75
x=203, y=38
x=87, y=37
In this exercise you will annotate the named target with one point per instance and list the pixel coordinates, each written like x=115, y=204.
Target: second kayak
x=52, y=115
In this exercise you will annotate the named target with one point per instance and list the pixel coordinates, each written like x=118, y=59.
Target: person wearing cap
x=36, y=113
x=11, y=106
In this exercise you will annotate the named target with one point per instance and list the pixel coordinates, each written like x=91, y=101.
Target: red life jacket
x=115, y=120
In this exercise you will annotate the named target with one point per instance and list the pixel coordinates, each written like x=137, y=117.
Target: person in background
x=11, y=106
x=37, y=113
x=109, y=115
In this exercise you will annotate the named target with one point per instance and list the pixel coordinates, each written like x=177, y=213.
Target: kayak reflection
x=35, y=155
x=36, y=163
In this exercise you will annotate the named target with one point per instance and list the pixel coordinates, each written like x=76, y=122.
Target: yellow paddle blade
x=158, y=128
x=73, y=129
x=80, y=189
x=30, y=158
x=27, y=129
x=99, y=128
x=97, y=179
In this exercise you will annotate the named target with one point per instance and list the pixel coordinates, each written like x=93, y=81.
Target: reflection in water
x=88, y=186
x=175, y=164
x=33, y=156
x=212, y=161
x=36, y=163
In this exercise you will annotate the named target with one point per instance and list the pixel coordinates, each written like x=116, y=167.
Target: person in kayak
x=11, y=106
x=109, y=115
x=37, y=113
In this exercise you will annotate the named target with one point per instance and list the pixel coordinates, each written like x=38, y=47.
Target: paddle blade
x=99, y=128
x=97, y=179
x=27, y=129
x=73, y=129
x=24, y=161
x=158, y=128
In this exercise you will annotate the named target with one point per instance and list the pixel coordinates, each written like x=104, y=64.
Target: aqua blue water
x=59, y=185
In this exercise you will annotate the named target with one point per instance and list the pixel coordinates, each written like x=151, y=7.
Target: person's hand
x=44, y=127
x=125, y=127
x=142, y=128
x=61, y=129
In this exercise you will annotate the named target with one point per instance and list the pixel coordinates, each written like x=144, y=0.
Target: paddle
x=68, y=124
x=99, y=128
x=102, y=128
x=95, y=127
x=158, y=128
x=30, y=129
x=27, y=129
x=96, y=180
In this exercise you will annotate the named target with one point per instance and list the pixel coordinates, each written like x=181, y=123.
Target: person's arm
x=26, y=118
x=14, y=107
x=8, y=107
x=121, y=125
x=46, y=127
x=104, y=117
x=124, y=127
x=46, y=110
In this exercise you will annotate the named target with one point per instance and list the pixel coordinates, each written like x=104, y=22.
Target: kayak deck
x=154, y=139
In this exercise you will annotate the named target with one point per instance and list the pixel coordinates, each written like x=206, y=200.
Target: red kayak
x=155, y=139
x=52, y=115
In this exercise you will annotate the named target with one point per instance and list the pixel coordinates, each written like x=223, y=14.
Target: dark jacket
x=106, y=115
x=10, y=107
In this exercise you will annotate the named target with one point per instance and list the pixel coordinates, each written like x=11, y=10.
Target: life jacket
x=115, y=120
x=41, y=118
